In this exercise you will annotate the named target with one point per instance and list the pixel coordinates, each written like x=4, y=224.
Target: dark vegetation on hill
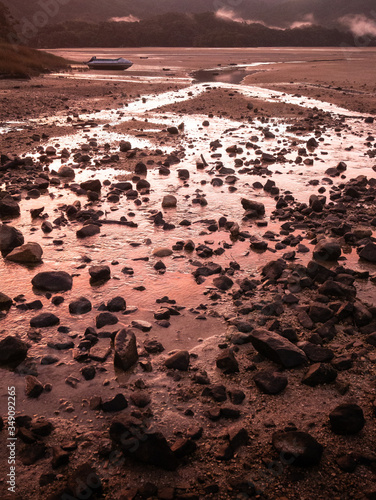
x=182, y=30
x=18, y=61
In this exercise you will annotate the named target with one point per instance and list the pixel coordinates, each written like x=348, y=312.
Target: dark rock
x=9, y=207
x=33, y=387
x=217, y=392
x=88, y=230
x=270, y=382
x=44, y=320
x=53, y=281
x=153, y=346
x=117, y=403
x=223, y=282
x=59, y=457
x=140, y=399
x=92, y=185
x=80, y=306
x=274, y=269
x=256, y=206
x=347, y=419
x=316, y=353
x=116, y=304
x=126, y=354
x=100, y=273
x=319, y=373
x=178, y=361
x=319, y=313
x=5, y=302
x=227, y=362
x=236, y=396
x=142, y=444
x=277, y=348
x=105, y=318
x=27, y=253
x=297, y=448
x=368, y=252
x=10, y=238
x=327, y=250
x=88, y=372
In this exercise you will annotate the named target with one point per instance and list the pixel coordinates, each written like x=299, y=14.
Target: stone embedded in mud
x=125, y=146
x=312, y=143
x=217, y=392
x=319, y=313
x=10, y=238
x=142, y=444
x=80, y=306
x=105, y=318
x=65, y=171
x=327, y=250
x=256, y=206
x=12, y=350
x=178, y=361
x=270, y=382
x=88, y=230
x=319, y=373
x=368, y=252
x=140, y=399
x=44, y=320
x=116, y=304
x=46, y=226
x=169, y=201
x=117, y=403
x=274, y=269
x=53, y=281
x=227, y=362
x=277, y=348
x=28, y=253
x=153, y=346
x=34, y=387
x=59, y=457
x=297, y=448
x=140, y=169
x=317, y=203
x=144, y=326
x=126, y=354
x=162, y=252
x=5, y=302
x=347, y=419
x=316, y=353
x=92, y=185
x=9, y=207
x=100, y=273
x=223, y=283
x=173, y=130
x=183, y=173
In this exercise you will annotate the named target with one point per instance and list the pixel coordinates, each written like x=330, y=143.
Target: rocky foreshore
x=177, y=322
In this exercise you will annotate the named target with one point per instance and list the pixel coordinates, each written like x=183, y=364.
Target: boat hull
x=109, y=67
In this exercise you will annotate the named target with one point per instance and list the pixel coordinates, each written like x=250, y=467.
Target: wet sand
x=259, y=178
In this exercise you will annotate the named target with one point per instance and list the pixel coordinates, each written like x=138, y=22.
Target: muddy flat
x=188, y=277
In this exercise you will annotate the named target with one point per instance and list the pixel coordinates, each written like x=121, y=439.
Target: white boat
x=119, y=64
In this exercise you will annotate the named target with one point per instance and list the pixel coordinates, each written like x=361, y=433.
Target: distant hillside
x=181, y=30
x=282, y=13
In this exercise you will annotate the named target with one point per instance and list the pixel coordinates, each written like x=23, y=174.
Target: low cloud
x=359, y=24
x=306, y=21
x=230, y=15
x=127, y=19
